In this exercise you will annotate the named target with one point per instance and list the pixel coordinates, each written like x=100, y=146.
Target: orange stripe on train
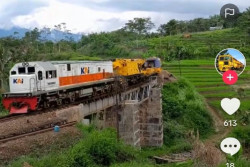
x=70, y=80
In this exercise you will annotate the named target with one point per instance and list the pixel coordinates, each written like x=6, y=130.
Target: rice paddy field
x=208, y=82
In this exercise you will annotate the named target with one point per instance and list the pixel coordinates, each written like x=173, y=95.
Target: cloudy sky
x=104, y=15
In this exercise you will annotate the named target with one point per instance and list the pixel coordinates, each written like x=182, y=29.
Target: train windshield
x=221, y=58
x=227, y=58
x=152, y=63
x=21, y=70
x=26, y=70
x=31, y=70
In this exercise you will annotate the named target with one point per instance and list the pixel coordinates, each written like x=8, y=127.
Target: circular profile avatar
x=230, y=59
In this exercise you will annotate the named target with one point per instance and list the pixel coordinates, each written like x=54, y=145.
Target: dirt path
x=220, y=129
x=209, y=151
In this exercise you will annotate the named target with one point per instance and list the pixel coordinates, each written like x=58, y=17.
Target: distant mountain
x=11, y=32
x=46, y=34
x=55, y=35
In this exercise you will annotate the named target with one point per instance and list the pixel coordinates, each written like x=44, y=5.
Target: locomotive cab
x=225, y=62
x=152, y=66
x=32, y=77
x=26, y=81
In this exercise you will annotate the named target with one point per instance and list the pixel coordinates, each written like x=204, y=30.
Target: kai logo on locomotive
x=18, y=81
x=84, y=70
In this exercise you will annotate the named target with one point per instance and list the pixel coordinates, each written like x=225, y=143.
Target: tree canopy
x=139, y=25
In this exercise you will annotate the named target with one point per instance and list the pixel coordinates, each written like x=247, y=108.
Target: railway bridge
x=135, y=113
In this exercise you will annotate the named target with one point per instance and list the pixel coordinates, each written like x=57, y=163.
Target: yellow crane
x=129, y=67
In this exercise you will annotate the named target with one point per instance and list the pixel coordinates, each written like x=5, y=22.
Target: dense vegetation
x=184, y=110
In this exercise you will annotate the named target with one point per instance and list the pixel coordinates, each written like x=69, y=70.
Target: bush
x=183, y=110
x=100, y=148
x=173, y=132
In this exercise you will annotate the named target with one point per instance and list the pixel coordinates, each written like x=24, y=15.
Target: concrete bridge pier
x=151, y=123
x=140, y=122
x=129, y=128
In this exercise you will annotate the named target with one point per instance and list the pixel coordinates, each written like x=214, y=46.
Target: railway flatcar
x=35, y=85
x=228, y=62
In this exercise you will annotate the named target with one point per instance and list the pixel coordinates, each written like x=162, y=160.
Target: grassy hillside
x=202, y=45
x=197, y=45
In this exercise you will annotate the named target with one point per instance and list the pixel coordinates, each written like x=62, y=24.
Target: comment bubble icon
x=230, y=146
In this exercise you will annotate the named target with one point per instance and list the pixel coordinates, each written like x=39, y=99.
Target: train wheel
x=59, y=102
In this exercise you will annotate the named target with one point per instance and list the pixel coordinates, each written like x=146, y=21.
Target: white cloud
x=105, y=15
x=13, y=8
x=77, y=18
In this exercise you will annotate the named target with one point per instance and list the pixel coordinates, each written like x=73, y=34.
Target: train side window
x=68, y=67
x=31, y=70
x=151, y=64
x=13, y=72
x=99, y=69
x=50, y=74
x=88, y=70
x=21, y=70
x=54, y=74
x=40, y=75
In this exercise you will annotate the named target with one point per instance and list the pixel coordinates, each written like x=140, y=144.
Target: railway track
x=9, y=117
x=35, y=131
